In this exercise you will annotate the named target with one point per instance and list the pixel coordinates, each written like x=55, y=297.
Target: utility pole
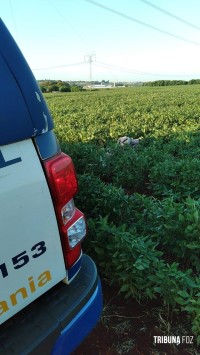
x=89, y=59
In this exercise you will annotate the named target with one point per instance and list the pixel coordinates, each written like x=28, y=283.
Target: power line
x=66, y=20
x=141, y=22
x=13, y=18
x=108, y=68
x=60, y=66
x=111, y=66
x=131, y=71
x=170, y=14
x=106, y=65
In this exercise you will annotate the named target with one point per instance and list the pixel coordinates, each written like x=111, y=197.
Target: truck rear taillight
x=63, y=185
x=62, y=178
x=76, y=232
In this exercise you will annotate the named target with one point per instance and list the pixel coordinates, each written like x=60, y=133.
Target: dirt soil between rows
x=127, y=327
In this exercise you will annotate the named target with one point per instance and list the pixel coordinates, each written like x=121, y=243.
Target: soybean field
x=142, y=204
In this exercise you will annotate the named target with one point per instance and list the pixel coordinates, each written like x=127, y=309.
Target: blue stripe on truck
x=81, y=325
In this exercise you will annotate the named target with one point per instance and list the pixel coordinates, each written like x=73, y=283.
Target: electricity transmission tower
x=89, y=59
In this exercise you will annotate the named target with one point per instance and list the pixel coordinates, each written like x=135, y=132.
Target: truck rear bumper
x=81, y=325
x=58, y=321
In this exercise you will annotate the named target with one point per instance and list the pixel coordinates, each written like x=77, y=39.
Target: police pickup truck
x=50, y=292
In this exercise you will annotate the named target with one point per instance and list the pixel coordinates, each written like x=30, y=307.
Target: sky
x=115, y=40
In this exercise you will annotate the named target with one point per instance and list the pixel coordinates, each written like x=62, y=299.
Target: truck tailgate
x=59, y=320
x=31, y=259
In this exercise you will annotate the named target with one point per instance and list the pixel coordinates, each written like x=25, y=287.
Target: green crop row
x=138, y=112
x=173, y=226
x=160, y=167
x=137, y=265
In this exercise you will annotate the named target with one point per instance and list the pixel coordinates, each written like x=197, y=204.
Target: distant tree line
x=171, y=82
x=58, y=85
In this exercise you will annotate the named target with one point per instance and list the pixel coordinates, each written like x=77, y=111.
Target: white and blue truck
x=50, y=292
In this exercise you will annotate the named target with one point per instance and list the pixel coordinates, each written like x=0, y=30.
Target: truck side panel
x=31, y=258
